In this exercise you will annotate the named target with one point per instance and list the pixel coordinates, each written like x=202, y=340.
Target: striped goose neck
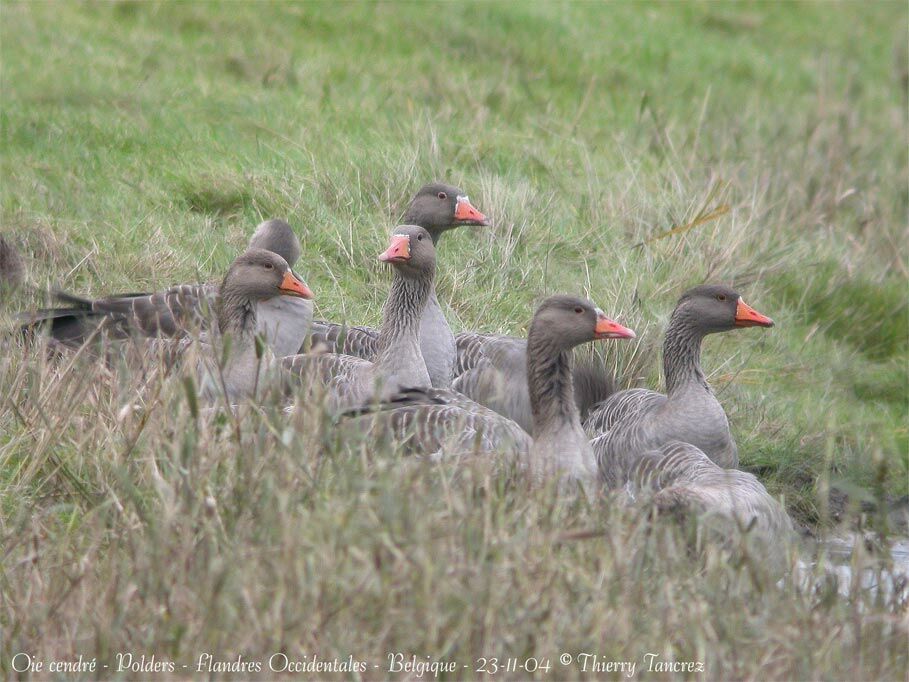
x=236, y=315
x=682, y=353
x=550, y=384
x=402, y=313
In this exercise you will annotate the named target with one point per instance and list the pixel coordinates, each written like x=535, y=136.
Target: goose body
x=683, y=481
x=434, y=421
x=436, y=208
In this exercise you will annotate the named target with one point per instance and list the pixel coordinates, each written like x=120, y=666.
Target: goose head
x=278, y=237
x=568, y=321
x=712, y=308
x=410, y=251
x=259, y=275
x=438, y=207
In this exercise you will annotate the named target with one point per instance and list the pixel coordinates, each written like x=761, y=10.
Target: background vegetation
x=624, y=151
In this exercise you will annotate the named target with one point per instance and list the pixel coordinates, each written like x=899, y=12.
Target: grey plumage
x=12, y=267
x=277, y=236
x=677, y=449
x=683, y=481
x=361, y=342
x=257, y=276
x=436, y=420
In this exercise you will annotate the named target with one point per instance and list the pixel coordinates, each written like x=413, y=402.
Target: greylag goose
x=398, y=363
x=182, y=308
x=437, y=208
x=254, y=280
x=560, y=324
x=437, y=420
x=674, y=447
x=640, y=420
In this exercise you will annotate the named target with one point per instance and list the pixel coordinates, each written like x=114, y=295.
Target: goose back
x=436, y=422
x=682, y=480
x=360, y=341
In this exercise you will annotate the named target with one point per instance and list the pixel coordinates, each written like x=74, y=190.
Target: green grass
x=141, y=144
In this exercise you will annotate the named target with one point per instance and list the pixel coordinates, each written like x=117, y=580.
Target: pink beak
x=609, y=329
x=398, y=250
x=465, y=212
x=746, y=316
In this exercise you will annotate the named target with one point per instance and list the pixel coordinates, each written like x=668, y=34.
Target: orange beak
x=466, y=213
x=398, y=250
x=608, y=329
x=292, y=285
x=746, y=316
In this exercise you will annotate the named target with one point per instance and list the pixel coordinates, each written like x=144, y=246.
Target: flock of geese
x=435, y=392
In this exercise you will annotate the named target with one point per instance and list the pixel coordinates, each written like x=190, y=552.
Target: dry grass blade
x=704, y=215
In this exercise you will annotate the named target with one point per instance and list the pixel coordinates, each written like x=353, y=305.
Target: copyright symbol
x=565, y=659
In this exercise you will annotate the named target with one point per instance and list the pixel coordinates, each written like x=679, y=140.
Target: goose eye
x=442, y=195
x=269, y=266
x=579, y=310
x=721, y=297
x=419, y=237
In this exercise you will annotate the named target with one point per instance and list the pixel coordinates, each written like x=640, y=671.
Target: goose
x=639, y=420
x=559, y=440
x=676, y=448
x=253, y=281
x=398, y=363
x=181, y=308
x=437, y=208
x=680, y=477
x=436, y=420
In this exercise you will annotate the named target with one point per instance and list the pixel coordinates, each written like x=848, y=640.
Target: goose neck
x=682, y=354
x=236, y=315
x=550, y=385
x=402, y=313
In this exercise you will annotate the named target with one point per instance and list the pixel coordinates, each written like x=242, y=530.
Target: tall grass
x=156, y=530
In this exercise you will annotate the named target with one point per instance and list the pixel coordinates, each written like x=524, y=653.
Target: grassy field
x=142, y=143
